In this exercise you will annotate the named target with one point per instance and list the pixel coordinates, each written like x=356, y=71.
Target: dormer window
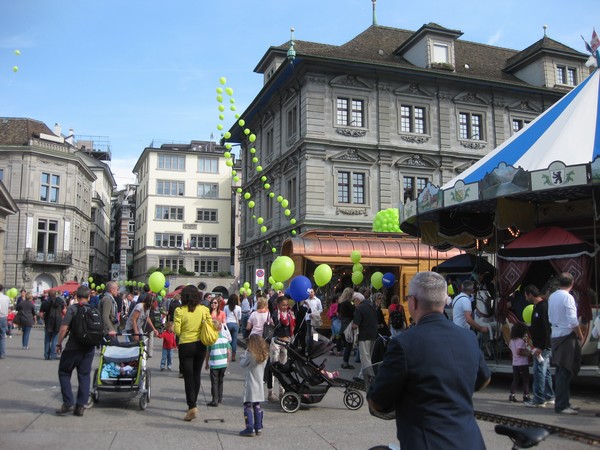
x=566, y=75
x=441, y=53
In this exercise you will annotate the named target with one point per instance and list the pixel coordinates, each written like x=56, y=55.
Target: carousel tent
x=553, y=160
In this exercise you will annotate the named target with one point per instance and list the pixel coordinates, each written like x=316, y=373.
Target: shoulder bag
x=268, y=329
x=208, y=332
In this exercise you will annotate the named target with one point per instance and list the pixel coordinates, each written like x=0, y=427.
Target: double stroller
x=122, y=371
x=307, y=382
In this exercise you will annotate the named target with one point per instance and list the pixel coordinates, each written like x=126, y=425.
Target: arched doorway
x=41, y=283
x=223, y=290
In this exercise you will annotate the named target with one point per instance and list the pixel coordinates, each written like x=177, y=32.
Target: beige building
x=183, y=221
x=346, y=131
x=47, y=240
x=7, y=208
x=123, y=236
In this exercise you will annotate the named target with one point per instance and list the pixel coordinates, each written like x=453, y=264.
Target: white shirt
x=315, y=306
x=234, y=316
x=4, y=304
x=562, y=313
x=462, y=304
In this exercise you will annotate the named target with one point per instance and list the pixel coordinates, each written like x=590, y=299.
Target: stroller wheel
x=90, y=401
x=148, y=385
x=353, y=399
x=290, y=402
x=143, y=401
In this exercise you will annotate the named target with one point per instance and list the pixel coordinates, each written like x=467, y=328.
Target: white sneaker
x=569, y=411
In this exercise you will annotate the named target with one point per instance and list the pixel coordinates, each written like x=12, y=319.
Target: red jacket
x=168, y=338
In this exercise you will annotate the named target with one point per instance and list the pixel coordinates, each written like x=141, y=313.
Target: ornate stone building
x=346, y=131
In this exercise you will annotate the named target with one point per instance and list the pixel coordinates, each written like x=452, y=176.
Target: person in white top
x=567, y=339
x=233, y=313
x=4, y=304
x=315, y=308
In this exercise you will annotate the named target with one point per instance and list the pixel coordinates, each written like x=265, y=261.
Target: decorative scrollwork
x=414, y=139
x=350, y=133
x=472, y=145
x=351, y=211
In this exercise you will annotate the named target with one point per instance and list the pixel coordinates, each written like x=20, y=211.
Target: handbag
x=17, y=319
x=349, y=333
x=268, y=329
x=208, y=332
x=316, y=320
x=225, y=332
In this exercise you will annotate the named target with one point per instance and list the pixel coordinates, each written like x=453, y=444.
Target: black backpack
x=55, y=314
x=87, y=327
x=397, y=319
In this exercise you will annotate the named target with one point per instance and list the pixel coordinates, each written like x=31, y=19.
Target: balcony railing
x=56, y=258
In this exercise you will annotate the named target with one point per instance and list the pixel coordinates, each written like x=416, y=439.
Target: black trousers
x=191, y=358
x=216, y=384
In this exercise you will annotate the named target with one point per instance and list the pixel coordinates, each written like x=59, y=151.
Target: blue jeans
x=167, y=358
x=234, y=329
x=69, y=361
x=542, y=378
x=50, y=340
x=245, y=317
x=26, y=332
x=562, y=388
x=3, y=329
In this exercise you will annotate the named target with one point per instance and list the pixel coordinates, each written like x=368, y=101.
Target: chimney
x=70, y=138
x=57, y=129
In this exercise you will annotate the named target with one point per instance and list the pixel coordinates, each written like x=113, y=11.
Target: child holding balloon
x=520, y=360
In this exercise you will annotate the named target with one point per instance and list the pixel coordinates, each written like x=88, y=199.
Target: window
x=1, y=174
x=206, y=265
x=130, y=242
x=566, y=75
x=412, y=119
x=268, y=212
x=170, y=263
x=350, y=112
x=131, y=227
x=292, y=122
x=49, y=187
x=441, y=53
x=519, y=124
x=207, y=215
x=291, y=192
x=413, y=187
x=470, y=126
x=47, y=237
x=168, y=240
x=208, y=190
x=170, y=188
x=171, y=162
x=208, y=165
x=204, y=241
x=351, y=187
x=269, y=142
x=168, y=213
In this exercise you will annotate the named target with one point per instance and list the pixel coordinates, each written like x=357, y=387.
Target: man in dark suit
x=429, y=373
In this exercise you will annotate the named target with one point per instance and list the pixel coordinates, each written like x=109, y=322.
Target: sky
x=141, y=71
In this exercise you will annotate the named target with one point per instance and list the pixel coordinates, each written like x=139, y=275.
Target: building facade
x=183, y=219
x=47, y=240
x=346, y=131
x=123, y=226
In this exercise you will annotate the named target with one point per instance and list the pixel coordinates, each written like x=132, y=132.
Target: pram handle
x=279, y=341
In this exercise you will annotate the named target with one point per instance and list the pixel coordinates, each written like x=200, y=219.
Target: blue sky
x=137, y=71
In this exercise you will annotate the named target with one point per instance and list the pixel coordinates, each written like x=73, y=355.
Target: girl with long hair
x=233, y=314
x=254, y=361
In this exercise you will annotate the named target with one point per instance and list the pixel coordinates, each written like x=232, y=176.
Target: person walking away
x=52, y=313
x=169, y=344
x=313, y=318
x=336, y=326
x=365, y=321
x=217, y=357
x=397, y=316
x=26, y=311
x=109, y=310
x=4, y=305
x=189, y=317
x=566, y=340
x=74, y=357
x=430, y=388
x=346, y=314
x=540, y=330
x=233, y=317
x=285, y=322
x=253, y=362
x=246, y=306
x=520, y=361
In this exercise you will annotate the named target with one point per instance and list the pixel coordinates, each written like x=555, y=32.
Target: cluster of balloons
x=357, y=268
x=250, y=203
x=387, y=220
x=12, y=293
x=16, y=68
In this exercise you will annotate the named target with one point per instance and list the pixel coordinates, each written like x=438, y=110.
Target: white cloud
x=121, y=169
x=495, y=38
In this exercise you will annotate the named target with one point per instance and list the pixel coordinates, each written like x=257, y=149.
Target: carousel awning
x=555, y=158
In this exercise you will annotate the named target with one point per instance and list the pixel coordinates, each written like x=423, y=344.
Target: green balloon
x=358, y=267
x=222, y=80
x=227, y=155
x=247, y=195
x=285, y=203
x=247, y=131
x=156, y=281
x=241, y=122
x=219, y=98
x=259, y=168
x=227, y=135
x=279, y=198
x=355, y=256
x=263, y=178
x=287, y=212
x=377, y=280
x=527, y=314
x=271, y=194
x=293, y=221
x=322, y=275
x=229, y=91
x=219, y=90
x=260, y=220
x=251, y=204
x=239, y=190
x=282, y=268
x=255, y=160
x=267, y=186
x=221, y=108
x=252, y=138
x=263, y=229
x=357, y=278
x=236, y=178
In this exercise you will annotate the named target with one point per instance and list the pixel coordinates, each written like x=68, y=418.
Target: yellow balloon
x=284, y=203
x=227, y=135
x=241, y=122
x=222, y=80
x=252, y=138
x=260, y=220
x=15, y=68
x=263, y=229
x=227, y=155
x=17, y=52
x=247, y=131
x=221, y=108
x=251, y=204
x=229, y=91
x=259, y=168
x=219, y=127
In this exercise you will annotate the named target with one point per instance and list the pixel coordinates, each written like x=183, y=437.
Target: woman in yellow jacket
x=188, y=319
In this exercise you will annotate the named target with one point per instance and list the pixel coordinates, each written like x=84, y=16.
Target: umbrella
x=465, y=263
x=69, y=286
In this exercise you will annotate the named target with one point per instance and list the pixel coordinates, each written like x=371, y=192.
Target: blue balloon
x=167, y=283
x=299, y=288
x=388, y=280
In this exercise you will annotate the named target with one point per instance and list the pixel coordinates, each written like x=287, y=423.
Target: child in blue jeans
x=169, y=344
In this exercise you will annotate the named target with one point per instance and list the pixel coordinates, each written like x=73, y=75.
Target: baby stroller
x=122, y=369
x=306, y=382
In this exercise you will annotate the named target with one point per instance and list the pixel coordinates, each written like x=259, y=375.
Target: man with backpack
x=462, y=308
x=51, y=312
x=84, y=326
